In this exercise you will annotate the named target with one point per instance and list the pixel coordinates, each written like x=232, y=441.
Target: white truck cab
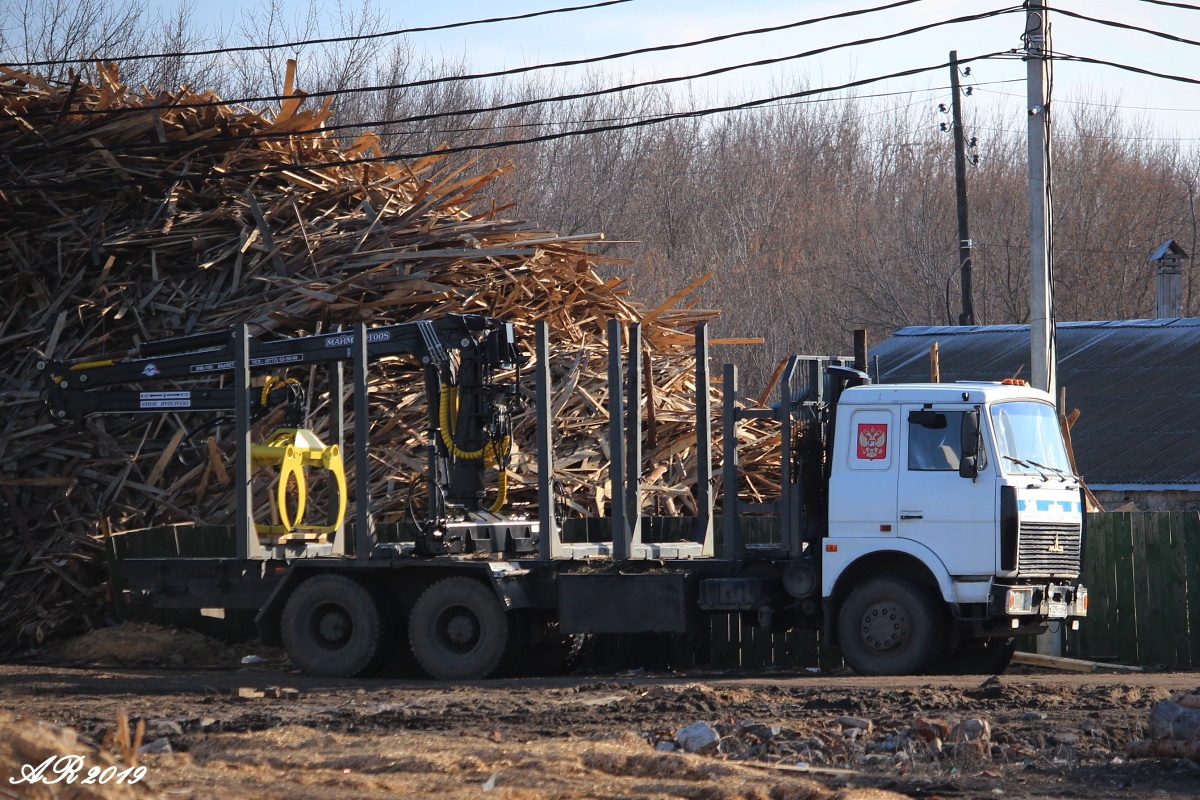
x=953, y=508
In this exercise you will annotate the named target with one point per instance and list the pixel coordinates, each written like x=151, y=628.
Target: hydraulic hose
x=447, y=407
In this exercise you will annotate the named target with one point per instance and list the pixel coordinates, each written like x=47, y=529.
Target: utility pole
x=1042, y=356
x=967, y=317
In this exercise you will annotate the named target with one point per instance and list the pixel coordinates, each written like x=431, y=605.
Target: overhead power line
x=898, y=93
x=42, y=149
x=1188, y=6
x=1089, y=102
x=1114, y=137
x=694, y=114
x=330, y=40
x=538, y=101
x=712, y=72
x=575, y=62
x=557, y=64
x=1125, y=26
x=591, y=120
x=1127, y=67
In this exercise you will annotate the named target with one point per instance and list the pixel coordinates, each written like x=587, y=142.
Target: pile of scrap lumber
x=1174, y=730
x=129, y=217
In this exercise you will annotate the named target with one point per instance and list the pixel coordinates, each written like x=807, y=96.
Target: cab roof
x=975, y=391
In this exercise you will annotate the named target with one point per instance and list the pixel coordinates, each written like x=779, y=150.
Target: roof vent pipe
x=1168, y=294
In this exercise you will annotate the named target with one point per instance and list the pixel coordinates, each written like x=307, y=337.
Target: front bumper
x=1050, y=601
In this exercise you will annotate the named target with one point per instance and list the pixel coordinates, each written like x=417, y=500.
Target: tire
x=458, y=630
x=889, y=626
x=980, y=657
x=335, y=626
x=552, y=652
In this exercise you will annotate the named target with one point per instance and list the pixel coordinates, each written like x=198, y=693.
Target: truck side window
x=934, y=443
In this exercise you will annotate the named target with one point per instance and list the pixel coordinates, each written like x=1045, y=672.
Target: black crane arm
x=71, y=387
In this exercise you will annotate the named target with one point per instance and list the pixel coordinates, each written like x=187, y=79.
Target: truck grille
x=1049, y=549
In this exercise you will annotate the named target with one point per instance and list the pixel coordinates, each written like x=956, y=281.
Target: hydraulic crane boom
x=70, y=386
x=468, y=409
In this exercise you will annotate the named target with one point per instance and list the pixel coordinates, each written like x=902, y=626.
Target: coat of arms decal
x=872, y=441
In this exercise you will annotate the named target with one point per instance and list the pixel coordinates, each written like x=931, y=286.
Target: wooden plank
x=1157, y=535
x=1190, y=535
x=759, y=653
x=1108, y=624
x=675, y=298
x=805, y=649
x=831, y=771
x=110, y=159
x=1158, y=570
x=1069, y=664
x=264, y=231
x=723, y=652
x=104, y=271
x=1095, y=638
x=48, y=481
x=290, y=106
x=1102, y=629
x=165, y=457
x=52, y=344
x=746, y=652
x=1125, y=600
x=1174, y=572
x=781, y=656
x=770, y=387
x=217, y=460
x=1148, y=647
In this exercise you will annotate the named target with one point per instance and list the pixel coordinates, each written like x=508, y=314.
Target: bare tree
x=58, y=30
x=813, y=217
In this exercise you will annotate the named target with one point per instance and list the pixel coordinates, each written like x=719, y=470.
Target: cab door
x=952, y=515
x=862, y=485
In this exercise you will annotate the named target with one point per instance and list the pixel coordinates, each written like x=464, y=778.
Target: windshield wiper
x=1063, y=475
x=1032, y=464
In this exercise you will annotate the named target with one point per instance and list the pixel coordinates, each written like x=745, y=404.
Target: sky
x=1168, y=109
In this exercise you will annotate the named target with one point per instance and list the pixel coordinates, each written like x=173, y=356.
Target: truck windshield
x=1029, y=439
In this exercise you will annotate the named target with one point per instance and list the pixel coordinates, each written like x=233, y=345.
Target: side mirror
x=969, y=436
x=968, y=467
x=969, y=441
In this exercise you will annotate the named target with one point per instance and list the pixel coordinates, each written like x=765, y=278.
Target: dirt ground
x=1027, y=734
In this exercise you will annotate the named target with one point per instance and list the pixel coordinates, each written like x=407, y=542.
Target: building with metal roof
x=1135, y=382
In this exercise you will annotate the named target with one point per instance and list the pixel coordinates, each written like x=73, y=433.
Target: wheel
x=980, y=657
x=889, y=626
x=552, y=652
x=335, y=626
x=458, y=630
